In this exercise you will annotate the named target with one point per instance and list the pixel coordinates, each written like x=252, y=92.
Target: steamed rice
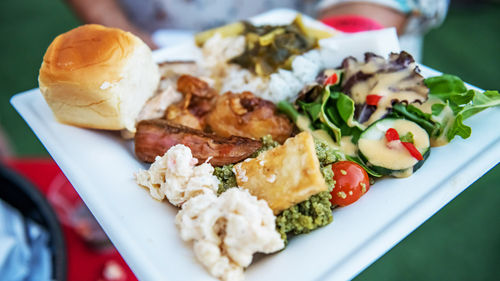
x=282, y=85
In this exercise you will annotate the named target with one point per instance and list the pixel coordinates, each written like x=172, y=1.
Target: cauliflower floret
x=175, y=176
x=227, y=230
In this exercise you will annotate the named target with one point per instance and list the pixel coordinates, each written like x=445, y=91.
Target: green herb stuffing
x=305, y=216
x=326, y=154
x=310, y=214
x=267, y=143
x=226, y=177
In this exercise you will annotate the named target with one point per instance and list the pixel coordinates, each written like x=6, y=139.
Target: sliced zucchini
x=395, y=160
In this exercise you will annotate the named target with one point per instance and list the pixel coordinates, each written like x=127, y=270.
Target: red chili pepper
x=391, y=135
x=413, y=150
x=331, y=80
x=373, y=99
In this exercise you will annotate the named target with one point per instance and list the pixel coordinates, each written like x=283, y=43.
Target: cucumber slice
x=395, y=161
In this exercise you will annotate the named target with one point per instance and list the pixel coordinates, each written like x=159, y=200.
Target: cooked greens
x=268, y=48
x=229, y=30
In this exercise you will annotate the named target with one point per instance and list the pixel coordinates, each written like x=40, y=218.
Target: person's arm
x=385, y=16
x=108, y=13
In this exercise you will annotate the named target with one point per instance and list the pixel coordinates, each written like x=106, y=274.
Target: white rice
x=282, y=85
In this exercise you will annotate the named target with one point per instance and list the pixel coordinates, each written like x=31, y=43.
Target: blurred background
x=461, y=242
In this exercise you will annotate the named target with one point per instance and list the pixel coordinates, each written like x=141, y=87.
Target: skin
x=109, y=13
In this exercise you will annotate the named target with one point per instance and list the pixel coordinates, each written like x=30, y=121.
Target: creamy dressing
x=426, y=107
x=303, y=123
x=447, y=118
x=390, y=85
x=347, y=147
x=396, y=157
x=325, y=137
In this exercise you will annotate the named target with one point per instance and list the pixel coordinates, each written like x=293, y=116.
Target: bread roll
x=98, y=77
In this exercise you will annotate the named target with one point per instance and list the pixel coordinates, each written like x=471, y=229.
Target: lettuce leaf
x=463, y=102
x=480, y=101
x=414, y=114
x=329, y=116
x=345, y=106
x=457, y=103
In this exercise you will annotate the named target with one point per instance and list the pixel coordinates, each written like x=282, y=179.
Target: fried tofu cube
x=285, y=175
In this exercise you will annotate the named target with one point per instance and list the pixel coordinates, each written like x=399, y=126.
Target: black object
x=23, y=196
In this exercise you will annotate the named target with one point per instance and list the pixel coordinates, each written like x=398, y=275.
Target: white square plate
x=101, y=165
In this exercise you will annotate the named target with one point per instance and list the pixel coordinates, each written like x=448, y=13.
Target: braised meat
x=155, y=137
x=248, y=116
x=197, y=101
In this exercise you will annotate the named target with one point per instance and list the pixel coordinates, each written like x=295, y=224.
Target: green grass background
x=461, y=242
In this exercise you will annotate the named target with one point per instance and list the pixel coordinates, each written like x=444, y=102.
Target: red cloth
x=352, y=23
x=84, y=263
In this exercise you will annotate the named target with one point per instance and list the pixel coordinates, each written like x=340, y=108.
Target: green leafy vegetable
x=480, y=101
x=288, y=109
x=458, y=128
x=455, y=104
x=362, y=164
x=414, y=114
x=268, y=47
x=445, y=86
x=329, y=116
x=463, y=103
x=313, y=109
x=437, y=108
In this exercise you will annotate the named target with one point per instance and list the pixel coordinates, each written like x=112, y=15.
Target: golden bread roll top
x=98, y=77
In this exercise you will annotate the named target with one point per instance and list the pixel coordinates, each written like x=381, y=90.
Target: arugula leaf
x=437, y=108
x=445, y=85
x=462, y=102
x=458, y=129
x=480, y=102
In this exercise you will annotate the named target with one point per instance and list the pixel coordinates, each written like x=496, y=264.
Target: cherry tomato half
x=351, y=182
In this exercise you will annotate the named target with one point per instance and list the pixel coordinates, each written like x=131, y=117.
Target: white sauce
x=374, y=146
x=389, y=85
x=347, y=147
